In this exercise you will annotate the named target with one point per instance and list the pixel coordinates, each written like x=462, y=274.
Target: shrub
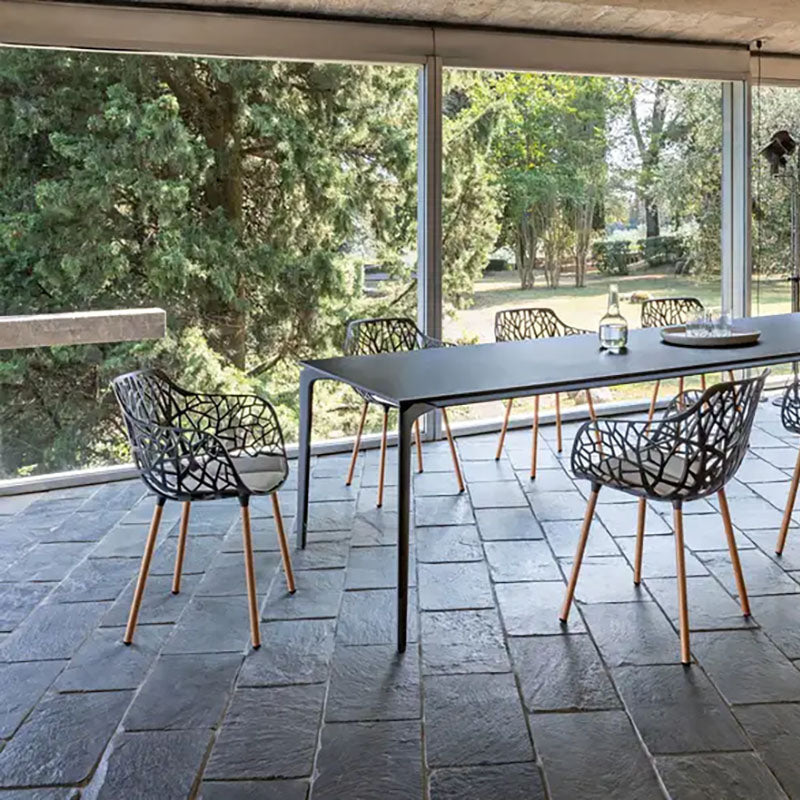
x=497, y=265
x=612, y=257
x=658, y=250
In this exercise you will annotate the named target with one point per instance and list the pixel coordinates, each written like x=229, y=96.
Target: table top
x=474, y=373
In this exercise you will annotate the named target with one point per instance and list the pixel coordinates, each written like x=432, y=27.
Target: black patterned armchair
x=519, y=324
x=662, y=312
x=390, y=335
x=692, y=452
x=189, y=447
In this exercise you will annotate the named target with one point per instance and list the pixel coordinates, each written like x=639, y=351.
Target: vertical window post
x=736, y=198
x=429, y=210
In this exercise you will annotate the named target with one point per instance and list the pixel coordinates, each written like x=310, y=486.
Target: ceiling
x=776, y=22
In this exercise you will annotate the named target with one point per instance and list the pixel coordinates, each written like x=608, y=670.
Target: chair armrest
x=607, y=438
x=243, y=423
x=177, y=462
x=682, y=402
x=648, y=446
x=571, y=330
x=429, y=341
x=790, y=407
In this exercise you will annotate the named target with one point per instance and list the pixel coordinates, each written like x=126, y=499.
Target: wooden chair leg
x=453, y=453
x=143, y=571
x=285, y=556
x=382, y=468
x=180, y=552
x=680, y=569
x=357, y=444
x=653, y=401
x=731, y=376
x=418, y=439
x=680, y=392
x=590, y=401
x=593, y=417
x=637, y=566
x=741, y=589
x=787, y=514
x=576, y=564
x=535, y=436
x=703, y=382
x=250, y=573
x=559, y=443
x=503, y=430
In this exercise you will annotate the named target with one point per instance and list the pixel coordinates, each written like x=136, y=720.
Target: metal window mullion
x=429, y=212
x=736, y=198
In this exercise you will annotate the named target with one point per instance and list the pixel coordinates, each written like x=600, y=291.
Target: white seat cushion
x=627, y=472
x=261, y=473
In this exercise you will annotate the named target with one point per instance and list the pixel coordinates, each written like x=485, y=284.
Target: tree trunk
x=584, y=215
x=649, y=147
x=652, y=226
x=580, y=269
x=526, y=254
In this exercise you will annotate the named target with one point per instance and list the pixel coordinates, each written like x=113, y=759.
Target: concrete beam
x=82, y=327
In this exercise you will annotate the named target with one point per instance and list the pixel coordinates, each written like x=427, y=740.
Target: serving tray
x=676, y=334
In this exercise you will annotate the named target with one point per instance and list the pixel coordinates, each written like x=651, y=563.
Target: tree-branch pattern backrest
x=175, y=458
x=147, y=396
x=686, y=455
x=245, y=424
x=517, y=324
x=712, y=436
x=664, y=311
x=381, y=335
x=790, y=408
x=183, y=442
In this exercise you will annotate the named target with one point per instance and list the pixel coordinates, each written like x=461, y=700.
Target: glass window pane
x=557, y=186
x=776, y=115
x=262, y=204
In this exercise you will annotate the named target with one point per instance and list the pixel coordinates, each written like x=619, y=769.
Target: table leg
x=406, y=418
x=307, y=380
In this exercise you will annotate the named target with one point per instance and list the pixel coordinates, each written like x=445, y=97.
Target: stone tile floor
x=492, y=700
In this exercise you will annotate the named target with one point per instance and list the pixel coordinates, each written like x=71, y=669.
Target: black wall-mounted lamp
x=777, y=152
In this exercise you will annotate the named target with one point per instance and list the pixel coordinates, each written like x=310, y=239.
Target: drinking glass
x=696, y=324
x=722, y=323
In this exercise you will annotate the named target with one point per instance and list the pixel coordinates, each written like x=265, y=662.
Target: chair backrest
x=790, y=407
x=712, y=435
x=152, y=406
x=147, y=396
x=381, y=335
x=517, y=324
x=663, y=311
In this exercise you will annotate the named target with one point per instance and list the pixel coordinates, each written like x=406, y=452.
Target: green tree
x=230, y=193
x=550, y=156
x=470, y=202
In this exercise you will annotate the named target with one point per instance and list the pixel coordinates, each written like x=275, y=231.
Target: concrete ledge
x=82, y=327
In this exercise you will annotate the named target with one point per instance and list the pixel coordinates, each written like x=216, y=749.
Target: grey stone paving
x=493, y=700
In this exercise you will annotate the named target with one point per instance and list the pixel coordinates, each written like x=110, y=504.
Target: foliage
x=774, y=108
x=227, y=192
x=549, y=155
x=256, y=201
x=612, y=257
x=470, y=215
x=659, y=250
x=689, y=176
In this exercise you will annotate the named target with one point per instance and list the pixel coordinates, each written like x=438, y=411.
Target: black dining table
x=420, y=381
